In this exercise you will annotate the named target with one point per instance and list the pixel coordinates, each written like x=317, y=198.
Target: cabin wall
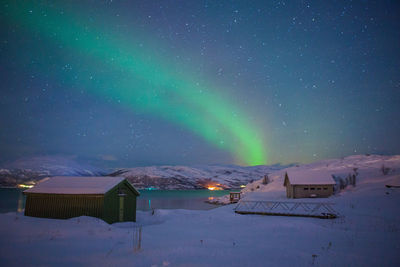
x=130, y=206
x=112, y=204
x=305, y=191
x=63, y=206
x=289, y=190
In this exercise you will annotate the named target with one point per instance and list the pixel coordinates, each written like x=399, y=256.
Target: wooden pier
x=321, y=210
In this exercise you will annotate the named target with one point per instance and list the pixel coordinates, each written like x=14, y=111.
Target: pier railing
x=287, y=208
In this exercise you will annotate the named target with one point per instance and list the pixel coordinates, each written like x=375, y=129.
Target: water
x=12, y=199
x=178, y=199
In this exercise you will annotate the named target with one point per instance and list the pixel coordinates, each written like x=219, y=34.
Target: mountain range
x=33, y=169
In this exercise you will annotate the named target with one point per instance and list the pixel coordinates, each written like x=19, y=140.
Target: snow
x=307, y=177
x=366, y=234
x=75, y=185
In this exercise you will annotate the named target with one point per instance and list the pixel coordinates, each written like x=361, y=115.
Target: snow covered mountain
x=33, y=169
x=36, y=168
x=198, y=177
x=183, y=177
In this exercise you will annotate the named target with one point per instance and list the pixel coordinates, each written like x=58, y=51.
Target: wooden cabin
x=308, y=184
x=112, y=199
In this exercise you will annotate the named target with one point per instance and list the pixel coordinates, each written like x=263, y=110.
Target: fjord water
x=12, y=199
x=178, y=199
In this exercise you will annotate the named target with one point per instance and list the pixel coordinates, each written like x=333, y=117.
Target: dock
x=323, y=210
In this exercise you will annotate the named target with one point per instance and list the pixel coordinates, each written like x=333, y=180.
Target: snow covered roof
x=394, y=182
x=75, y=185
x=307, y=177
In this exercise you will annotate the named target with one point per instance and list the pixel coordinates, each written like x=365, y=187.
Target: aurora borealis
x=199, y=82
x=147, y=86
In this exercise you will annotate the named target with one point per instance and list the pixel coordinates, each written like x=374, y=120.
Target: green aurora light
x=144, y=83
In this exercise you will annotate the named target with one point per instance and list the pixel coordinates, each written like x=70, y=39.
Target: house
x=308, y=184
x=112, y=199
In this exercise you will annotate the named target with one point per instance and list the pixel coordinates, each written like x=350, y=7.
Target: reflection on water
x=21, y=202
x=12, y=199
x=177, y=199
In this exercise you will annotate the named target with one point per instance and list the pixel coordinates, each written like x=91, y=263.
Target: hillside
x=366, y=233
x=368, y=169
x=33, y=169
x=185, y=177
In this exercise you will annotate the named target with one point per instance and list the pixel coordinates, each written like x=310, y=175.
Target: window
x=325, y=188
x=312, y=188
x=305, y=188
x=319, y=188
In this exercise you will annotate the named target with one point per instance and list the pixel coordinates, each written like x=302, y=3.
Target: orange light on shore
x=212, y=188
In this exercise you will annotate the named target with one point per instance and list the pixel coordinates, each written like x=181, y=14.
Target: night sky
x=133, y=83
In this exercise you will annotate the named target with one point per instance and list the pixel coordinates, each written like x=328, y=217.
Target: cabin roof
x=75, y=185
x=310, y=178
x=395, y=181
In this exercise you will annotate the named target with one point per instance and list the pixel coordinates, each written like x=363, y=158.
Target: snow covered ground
x=367, y=233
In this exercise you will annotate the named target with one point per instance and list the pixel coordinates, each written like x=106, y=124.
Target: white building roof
x=395, y=181
x=75, y=185
x=308, y=177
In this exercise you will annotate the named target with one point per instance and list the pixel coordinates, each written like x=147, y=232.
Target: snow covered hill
x=36, y=168
x=184, y=177
x=33, y=169
x=368, y=169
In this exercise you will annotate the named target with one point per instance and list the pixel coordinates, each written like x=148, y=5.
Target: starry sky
x=134, y=83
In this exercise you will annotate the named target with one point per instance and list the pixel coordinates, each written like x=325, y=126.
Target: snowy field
x=366, y=234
